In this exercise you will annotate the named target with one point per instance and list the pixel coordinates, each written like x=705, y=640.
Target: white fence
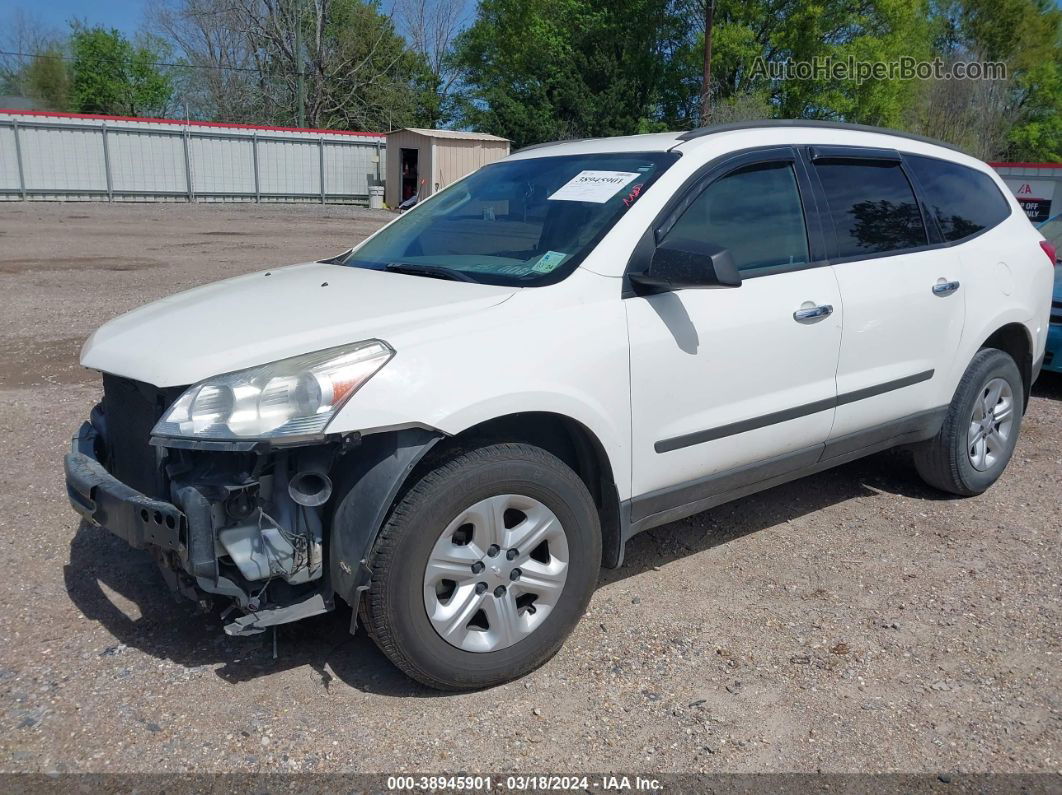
x=45, y=156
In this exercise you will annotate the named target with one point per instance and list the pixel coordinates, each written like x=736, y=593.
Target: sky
x=126, y=15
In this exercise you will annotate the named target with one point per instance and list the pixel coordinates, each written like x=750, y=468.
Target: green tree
x=776, y=32
x=366, y=76
x=1018, y=117
x=47, y=78
x=543, y=69
x=565, y=68
x=1027, y=35
x=112, y=75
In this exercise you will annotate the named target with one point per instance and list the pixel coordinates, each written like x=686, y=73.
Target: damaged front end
x=243, y=521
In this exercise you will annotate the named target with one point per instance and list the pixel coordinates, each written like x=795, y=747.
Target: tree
x=47, y=78
x=368, y=77
x=706, y=81
x=322, y=63
x=557, y=68
x=24, y=40
x=431, y=26
x=775, y=32
x=1018, y=117
x=541, y=69
x=1027, y=34
x=112, y=75
x=218, y=76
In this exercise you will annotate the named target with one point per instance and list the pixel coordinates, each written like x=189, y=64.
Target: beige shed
x=424, y=161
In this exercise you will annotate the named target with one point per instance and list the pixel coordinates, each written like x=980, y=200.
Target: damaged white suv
x=453, y=426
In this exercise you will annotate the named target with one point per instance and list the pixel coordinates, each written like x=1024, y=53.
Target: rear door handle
x=812, y=313
x=945, y=288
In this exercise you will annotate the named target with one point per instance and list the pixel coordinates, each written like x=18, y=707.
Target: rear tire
x=981, y=428
x=493, y=633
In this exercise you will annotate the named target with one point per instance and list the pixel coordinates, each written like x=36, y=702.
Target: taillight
x=1049, y=250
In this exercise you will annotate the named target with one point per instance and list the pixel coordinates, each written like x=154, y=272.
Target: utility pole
x=706, y=89
x=299, y=87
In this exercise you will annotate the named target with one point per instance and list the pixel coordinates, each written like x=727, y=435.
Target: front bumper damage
x=230, y=528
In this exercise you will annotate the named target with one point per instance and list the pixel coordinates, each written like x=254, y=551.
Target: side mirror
x=688, y=264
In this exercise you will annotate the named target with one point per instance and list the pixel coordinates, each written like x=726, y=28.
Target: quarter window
x=872, y=206
x=963, y=201
x=755, y=213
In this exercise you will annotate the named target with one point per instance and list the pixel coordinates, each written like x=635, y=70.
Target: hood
x=271, y=315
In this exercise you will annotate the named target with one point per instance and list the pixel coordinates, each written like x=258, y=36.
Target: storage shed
x=425, y=161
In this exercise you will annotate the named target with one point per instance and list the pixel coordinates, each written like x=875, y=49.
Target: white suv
x=454, y=425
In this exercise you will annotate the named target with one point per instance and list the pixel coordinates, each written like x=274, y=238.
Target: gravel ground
x=852, y=621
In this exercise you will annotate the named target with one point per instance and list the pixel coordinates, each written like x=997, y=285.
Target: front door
x=736, y=383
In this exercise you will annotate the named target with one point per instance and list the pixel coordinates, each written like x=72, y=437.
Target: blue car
x=1052, y=230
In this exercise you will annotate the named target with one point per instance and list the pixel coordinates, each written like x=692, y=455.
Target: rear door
x=902, y=293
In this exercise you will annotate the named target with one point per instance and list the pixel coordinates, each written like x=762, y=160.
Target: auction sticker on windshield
x=593, y=186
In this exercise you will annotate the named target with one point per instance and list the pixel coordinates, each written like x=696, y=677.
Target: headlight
x=292, y=397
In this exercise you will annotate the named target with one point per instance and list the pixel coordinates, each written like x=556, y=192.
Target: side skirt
x=686, y=499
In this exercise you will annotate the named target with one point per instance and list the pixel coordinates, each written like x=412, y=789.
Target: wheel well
x=1013, y=339
x=569, y=440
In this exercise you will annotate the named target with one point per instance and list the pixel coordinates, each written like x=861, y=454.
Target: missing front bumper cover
x=184, y=540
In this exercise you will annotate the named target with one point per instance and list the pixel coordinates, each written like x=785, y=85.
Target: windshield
x=519, y=223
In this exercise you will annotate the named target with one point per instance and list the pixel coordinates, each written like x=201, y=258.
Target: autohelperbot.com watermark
x=827, y=67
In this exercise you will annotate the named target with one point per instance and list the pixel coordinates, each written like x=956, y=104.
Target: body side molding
x=711, y=434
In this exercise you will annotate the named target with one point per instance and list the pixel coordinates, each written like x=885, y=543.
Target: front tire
x=980, y=430
x=483, y=568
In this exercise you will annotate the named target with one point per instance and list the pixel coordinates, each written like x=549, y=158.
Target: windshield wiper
x=434, y=271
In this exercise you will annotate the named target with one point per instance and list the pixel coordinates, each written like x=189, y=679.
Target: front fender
x=368, y=481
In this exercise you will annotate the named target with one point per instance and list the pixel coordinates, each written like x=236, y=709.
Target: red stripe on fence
x=183, y=123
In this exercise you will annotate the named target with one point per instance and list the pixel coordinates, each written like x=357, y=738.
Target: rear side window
x=872, y=206
x=963, y=201
x=755, y=213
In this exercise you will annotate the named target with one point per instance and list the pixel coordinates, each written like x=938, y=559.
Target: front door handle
x=945, y=288
x=813, y=313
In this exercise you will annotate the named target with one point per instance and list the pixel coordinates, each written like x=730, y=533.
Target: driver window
x=754, y=212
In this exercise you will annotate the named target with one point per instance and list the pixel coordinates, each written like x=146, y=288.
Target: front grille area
x=130, y=410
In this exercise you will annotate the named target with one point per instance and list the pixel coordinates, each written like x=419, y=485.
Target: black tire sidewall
x=991, y=364
x=422, y=521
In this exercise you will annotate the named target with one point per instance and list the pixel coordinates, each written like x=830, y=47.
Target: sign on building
x=1034, y=196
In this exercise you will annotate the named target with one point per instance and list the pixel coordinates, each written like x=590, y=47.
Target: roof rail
x=700, y=132
x=544, y=144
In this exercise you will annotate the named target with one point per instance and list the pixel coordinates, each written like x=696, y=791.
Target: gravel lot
x=853, y=621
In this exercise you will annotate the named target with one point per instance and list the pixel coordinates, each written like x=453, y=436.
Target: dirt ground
x=852, y=621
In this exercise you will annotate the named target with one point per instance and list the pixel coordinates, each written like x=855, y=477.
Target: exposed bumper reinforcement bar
x=105, y=501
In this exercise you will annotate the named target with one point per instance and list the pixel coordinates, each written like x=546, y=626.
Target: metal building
x=424, y=161
x=1036, y=186
x=47, y=155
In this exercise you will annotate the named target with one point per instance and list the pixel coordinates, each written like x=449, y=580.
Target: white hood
x=263, y=317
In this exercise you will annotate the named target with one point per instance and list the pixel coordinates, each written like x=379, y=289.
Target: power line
x=148, y=63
